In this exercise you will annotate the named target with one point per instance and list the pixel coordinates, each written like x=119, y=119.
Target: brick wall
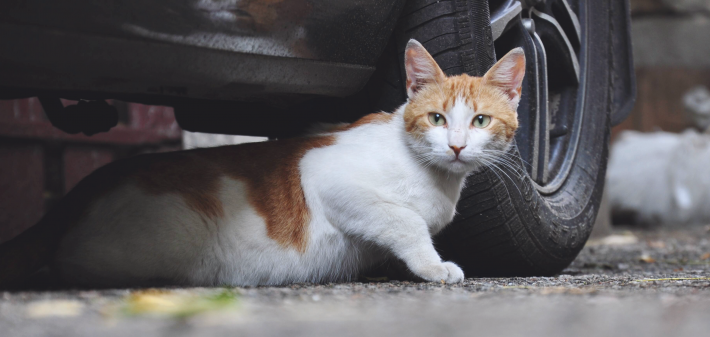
x=39, y=163
x=671, y=55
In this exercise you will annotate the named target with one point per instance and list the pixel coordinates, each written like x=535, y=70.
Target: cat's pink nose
x=457, y=149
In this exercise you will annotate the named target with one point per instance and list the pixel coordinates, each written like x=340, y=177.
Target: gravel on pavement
x=632, y=283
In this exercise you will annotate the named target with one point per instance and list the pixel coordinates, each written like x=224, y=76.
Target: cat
x=319, y=208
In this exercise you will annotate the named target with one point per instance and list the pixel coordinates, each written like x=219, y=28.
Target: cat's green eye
x=437, y=119
x=481, y=121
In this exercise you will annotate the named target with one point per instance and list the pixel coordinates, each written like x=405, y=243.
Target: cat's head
x=459, y=123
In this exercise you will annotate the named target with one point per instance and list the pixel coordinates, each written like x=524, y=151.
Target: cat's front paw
x=455, y=273
x=448, y=272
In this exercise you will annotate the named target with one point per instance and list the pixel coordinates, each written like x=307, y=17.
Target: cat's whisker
x=511, y=160
x=506, y=164
x=511, y=179
x=505, y=154
x=517, y=174
x=510, y=165
x=499, y=153
x=492, y=166
x=424, y=158
x=488, y=165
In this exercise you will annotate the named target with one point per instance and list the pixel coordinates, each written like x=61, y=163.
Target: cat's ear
x=507, y=74
x=421, y=67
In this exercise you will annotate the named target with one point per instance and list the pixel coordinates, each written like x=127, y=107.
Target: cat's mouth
x=459, y=166
x=458, y=163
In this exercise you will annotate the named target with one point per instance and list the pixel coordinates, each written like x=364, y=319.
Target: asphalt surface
x=640, y=283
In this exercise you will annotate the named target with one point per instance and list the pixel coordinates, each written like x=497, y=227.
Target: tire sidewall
x=548, y=231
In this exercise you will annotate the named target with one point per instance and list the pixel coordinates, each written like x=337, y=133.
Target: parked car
x=274, y=67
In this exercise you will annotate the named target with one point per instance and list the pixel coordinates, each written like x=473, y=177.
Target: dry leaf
x=647, y=258
x=705, y=256
x=54, y=308
x=657, y=244
x=621, y=239
x=177, y=303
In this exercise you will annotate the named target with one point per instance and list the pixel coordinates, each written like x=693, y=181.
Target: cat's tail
x=36, y=247
x=28, y=252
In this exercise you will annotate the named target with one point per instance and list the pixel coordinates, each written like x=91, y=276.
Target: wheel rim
x=552, y=33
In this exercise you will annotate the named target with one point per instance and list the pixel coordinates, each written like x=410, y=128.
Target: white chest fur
x=372, y=164
x=372, y=189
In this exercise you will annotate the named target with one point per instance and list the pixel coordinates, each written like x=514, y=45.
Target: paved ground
x=641, y=283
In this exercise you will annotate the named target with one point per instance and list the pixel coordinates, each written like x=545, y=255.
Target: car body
x=274, y=53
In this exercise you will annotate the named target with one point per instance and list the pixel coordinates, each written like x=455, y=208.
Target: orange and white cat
x=318, y=208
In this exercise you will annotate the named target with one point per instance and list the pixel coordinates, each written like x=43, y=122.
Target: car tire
x=507, y=222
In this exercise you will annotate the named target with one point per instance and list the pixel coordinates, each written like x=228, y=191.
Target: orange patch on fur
x=183, y=174
x=373, y=118
x=269, y=169
x=271, y=172
x=482, y=98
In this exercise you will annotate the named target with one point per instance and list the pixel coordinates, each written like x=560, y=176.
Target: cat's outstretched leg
x=402, y=231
